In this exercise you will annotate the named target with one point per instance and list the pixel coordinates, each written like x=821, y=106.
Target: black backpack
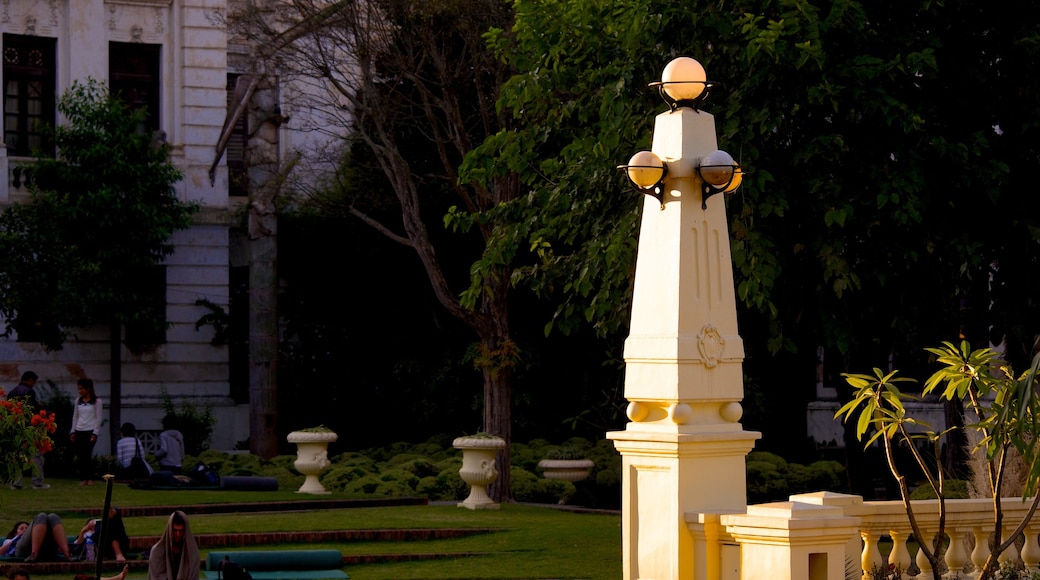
x=228, y=570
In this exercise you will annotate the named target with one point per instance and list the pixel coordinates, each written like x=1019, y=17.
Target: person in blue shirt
x=9, y=543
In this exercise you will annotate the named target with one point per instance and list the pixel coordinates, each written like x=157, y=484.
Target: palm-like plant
x=1007, y=415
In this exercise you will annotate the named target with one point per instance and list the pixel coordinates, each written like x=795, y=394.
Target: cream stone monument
x=683, y=449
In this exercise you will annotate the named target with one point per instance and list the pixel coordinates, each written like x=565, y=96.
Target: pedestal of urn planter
x=478, y=468
x=312, y=458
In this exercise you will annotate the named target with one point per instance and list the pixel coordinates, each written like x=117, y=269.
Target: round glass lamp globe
x=738, y=176
x=717, y=168
x=683, y=79
x=645, y=169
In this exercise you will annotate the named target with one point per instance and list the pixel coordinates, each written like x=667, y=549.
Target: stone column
x=683, y=449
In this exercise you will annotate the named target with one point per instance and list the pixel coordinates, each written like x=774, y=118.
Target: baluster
x=981, y=551
x=900, y=555
x=1031, y=549
x=956, y=556
x=871, y=557
x=1010, y=554
x=922, y=562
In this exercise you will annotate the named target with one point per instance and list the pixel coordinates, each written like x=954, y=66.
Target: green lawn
x=534, y=542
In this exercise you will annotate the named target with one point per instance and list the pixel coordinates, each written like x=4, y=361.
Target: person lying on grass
x=43, y=540
x=8, y=546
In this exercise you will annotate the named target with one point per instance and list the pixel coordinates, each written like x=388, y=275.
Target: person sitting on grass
x=128, y=448
x=44, y=539
x=171, y=446
x=17, y=574
x=118, y=540
x=176, y=555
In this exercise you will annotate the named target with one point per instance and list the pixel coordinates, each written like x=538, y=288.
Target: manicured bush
x=528, y=487
x=338, y=477
x=436, y=488
x=771, y=478
x=419, y=466
x=952, y=489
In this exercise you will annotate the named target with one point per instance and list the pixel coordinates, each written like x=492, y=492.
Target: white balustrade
x=967, y=521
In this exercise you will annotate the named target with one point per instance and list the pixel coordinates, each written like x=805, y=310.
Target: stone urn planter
x=572, y=470
x=312, y=457
x=478, y=468
x=567, y=463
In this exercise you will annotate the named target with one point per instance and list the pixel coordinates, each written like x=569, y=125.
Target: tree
x=413, y=85
x=880, y=210
x=101, y=215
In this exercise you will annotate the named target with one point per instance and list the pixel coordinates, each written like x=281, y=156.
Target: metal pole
x=99, y=539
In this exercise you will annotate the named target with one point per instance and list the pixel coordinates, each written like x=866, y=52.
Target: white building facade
x=173, y=56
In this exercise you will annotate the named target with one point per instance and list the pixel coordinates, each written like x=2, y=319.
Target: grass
x=534, y=542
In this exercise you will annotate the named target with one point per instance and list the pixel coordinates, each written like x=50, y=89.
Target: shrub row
x=431, y=469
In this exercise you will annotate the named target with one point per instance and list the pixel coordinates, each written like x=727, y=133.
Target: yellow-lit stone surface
x=683, y=449
x=792, y=540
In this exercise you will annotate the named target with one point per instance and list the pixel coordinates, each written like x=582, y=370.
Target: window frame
x=27, y=138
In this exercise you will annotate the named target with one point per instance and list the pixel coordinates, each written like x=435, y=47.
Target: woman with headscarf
x=176, y=555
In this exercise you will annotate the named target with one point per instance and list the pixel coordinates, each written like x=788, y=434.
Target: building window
x=236, y=147
x=151, y=329
x=133, y=75
x=29, y=72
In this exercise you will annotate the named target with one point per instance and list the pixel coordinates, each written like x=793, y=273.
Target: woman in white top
x=86, y=424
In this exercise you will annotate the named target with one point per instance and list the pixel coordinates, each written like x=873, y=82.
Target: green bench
x=281, y=564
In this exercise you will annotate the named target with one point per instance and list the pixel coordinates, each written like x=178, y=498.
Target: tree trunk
x=261, y=157
x=498, y=397
x=115, y=384
x=498, y=356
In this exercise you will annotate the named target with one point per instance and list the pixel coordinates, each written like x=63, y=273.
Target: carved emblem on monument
x=711, y=344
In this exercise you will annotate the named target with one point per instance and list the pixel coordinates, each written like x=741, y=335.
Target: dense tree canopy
x=101, y=213
x=887, y=146
x=100, y=217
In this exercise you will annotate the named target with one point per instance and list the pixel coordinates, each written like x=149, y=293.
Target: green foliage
x=1004, y=405
x=101, y=215
x=772, y=478
x=886, y=572
x=60, y=459
x=528, y=487
x=869, y=169
x=427, y=470
x=565, y=452
x=952, y=489
x=25, y=431
x=218, y=318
